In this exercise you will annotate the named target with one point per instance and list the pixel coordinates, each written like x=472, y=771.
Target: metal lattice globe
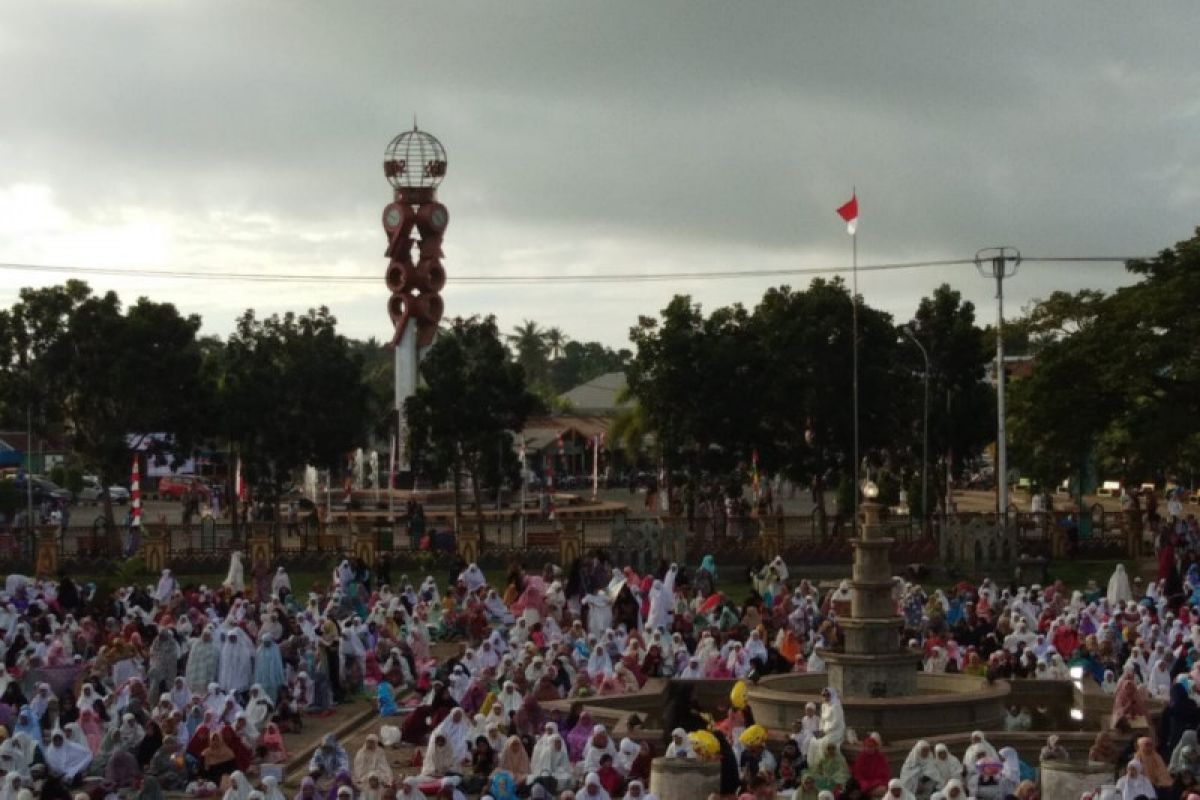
x=414, y=160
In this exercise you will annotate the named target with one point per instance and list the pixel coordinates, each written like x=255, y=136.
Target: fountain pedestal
x=872, y=662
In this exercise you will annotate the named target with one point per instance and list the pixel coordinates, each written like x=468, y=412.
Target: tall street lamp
x=998, y=263
x=907, y=331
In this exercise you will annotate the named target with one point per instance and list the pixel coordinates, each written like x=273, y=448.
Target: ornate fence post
x=467, y=542
x=155, y=545
x=770, y=537
x=570, y=542
x=365, y=541
x=259, y=542
x=47, y=554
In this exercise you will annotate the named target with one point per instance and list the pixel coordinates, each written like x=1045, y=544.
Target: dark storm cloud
x=724, y=133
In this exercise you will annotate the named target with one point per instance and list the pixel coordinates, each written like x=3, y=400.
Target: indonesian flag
x=135, y=495
x=849, y=212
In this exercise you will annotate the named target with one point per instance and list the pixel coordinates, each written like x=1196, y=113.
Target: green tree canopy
x=106, y=377
x=463, y=416
x=1116, y=377
x=292, y=393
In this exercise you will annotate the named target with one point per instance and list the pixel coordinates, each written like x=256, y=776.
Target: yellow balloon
x=705, y=745
x=738, y=695
x=753, y=736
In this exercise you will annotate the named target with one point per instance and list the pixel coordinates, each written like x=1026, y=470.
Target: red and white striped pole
x=135, y=494
x=597, y=440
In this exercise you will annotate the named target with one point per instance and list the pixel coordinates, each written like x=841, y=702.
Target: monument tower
x=414, y=164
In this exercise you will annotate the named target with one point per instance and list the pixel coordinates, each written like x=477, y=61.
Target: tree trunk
x=478, y=493
x=818, y=492
x=456, y=467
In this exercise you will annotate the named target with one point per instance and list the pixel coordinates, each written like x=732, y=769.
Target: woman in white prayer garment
x=236, y=670
x=235, y=580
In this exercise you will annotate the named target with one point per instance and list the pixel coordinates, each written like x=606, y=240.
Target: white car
x=90, y=493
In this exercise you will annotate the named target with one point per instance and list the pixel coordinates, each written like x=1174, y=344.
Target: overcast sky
x=592, y=137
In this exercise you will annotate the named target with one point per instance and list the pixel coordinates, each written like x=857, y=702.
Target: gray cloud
x=616, y=136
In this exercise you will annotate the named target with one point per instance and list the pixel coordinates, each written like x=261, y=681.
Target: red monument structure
x=414, y=164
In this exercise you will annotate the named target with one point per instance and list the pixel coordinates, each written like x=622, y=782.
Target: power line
x=622, y=277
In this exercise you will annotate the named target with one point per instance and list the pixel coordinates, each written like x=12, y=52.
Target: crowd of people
x=187, y=688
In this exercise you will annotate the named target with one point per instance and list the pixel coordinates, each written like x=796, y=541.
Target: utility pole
x=999, y=263
x=907, y=330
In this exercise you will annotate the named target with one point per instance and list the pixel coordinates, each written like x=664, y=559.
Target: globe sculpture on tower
x=414, y=164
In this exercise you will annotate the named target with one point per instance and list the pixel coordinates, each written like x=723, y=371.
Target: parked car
x=91, y=491
x=43, y=490
x=174, y=487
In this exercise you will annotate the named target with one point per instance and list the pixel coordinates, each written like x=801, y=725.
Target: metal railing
x=810, y=537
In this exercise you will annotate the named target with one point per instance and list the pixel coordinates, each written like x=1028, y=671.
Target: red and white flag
x=849, y=212
x=135, y=495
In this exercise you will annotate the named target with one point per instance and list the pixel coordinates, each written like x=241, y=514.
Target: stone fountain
x=873, y=662
x=876, y=676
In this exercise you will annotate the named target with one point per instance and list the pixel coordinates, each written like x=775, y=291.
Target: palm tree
x=528, y=342
x=554, y=339
x=630, y=426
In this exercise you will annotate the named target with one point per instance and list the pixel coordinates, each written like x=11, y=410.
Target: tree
x=584, y=361
x=804, y=404
x=292, y=393
x=108, y=379
x=962, y=416
x=378, y=360
x=462, y=417
x=1116, y=380
x=555, y=339
x=528, y=343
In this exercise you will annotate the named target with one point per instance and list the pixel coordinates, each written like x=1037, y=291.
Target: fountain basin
x=941, y=704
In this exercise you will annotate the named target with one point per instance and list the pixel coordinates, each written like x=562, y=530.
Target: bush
x=889, y=488
x=10, y=498
x=67, y=478
x=845, y=496
x=131, y=571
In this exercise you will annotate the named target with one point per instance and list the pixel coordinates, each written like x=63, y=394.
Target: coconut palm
x=555, y=339
x=528, y=343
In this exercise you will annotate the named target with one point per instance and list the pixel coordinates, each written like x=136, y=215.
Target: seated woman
x=830, y=772
x=385, y=700
x=371, y=760
x=169, y=765
x=271, y=747
x=218, y=759
x=122, y=771
x=328, y=760
x=551, y=761
x=439, y=759
x=514, y=760
x=66, y=759
x=871, y=770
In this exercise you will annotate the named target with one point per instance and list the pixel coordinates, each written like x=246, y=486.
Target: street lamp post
x=999, y=263
x=907, y=331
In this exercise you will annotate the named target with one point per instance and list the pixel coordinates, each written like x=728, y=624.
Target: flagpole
x=854, y=337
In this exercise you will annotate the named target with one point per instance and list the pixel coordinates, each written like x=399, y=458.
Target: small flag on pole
x=849, y=212
x=135, y=495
